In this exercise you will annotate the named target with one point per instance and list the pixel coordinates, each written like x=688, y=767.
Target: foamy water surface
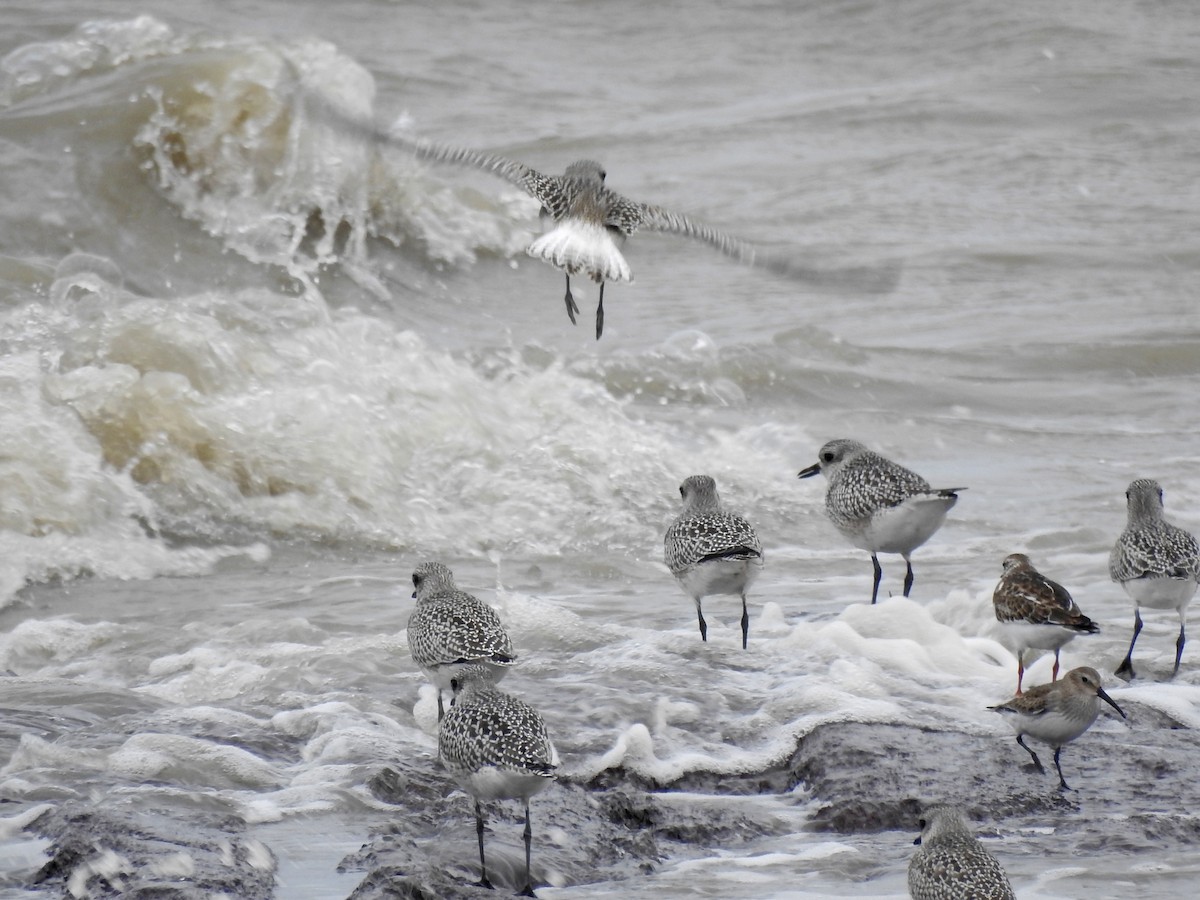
x=254, y=368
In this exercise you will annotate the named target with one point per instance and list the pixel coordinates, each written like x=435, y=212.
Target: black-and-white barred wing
x=628, y=217
x=546, y=189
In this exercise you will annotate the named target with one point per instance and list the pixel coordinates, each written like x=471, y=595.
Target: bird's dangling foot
x=600, y=313
x=570, y=301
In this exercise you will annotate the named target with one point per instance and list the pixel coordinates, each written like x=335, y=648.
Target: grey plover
x=1057, y=713
x=449, y=629
x=497, y=748
x=1036, y=613
x=878, y=505
x=1156, y=562
x=711, y=551
x=952, y=864
x=591, y=222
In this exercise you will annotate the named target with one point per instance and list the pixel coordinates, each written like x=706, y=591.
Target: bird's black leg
x=1179, y=649
x=908, y=576
x=483, y=879
x=528, y=892
x=600, y=313
x=570, y=300
x=1126, y=668
x=878, y=576
x=1062, y=782
x=1036, y=762
x=745, y=624
x=703, y=624
x=441, y=709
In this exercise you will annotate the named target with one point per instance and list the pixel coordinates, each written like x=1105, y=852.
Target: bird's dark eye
x=603, y=174
x=455, y=684
x=827, y=456
x=921, y=824
x=416, y=580
x=683, y=491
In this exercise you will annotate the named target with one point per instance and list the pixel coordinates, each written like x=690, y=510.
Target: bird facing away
x=497, y=748
x=879, y=505
x=711, y=551
x=1036, y=613
x=1057, y=713
x=952, y=864
x=450, y=629
x=591, y=222
x=1156, y=562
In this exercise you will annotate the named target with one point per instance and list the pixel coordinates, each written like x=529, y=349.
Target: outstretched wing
x=546, y=189
x=629, y=216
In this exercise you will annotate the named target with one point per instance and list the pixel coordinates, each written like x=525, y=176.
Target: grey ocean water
x=253, y=369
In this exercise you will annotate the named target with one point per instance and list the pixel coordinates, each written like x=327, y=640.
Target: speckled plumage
x=1156, y=562
x=1057, y=713
x=878, y=505
x=711, y=551
x=952, y=864
x=496, y=747
x=1035, y=612
x=449, y=629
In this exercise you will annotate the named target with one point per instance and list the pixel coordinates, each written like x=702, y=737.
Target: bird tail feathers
x=582, y=247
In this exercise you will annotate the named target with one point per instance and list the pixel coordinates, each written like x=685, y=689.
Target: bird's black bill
x=814, y=469
x=1100, y=692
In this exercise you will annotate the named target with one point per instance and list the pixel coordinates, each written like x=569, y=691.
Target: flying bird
x=591, y=221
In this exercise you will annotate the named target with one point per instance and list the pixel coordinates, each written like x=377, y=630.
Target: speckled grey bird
x=449, y=629
x=1057, y=713
x=878, y=505
x=1156, y=562
x=497, y=748
x=1036, y=613
x=711, y=551
x=952, y=864
x=591, y=222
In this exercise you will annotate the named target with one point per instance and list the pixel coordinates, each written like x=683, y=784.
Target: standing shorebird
x=879, y=505
x=1156, y=562
x=711, y=551
x=497, y=748
x=450, y=629
x=952, y=863
x=1036, y=613
x=1057, y=713
x=591, y=222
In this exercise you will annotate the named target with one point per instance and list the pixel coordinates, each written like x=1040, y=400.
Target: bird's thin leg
x=908, y=576
x=1037, y=762
x=1062, y=782
x=703, y=624
x=1179, y=646
x=1127, y=666
x=483, y=879
x=1054, y=671
x=600, y=313
x=528, y=892
x=745, y=624
x=1020, y=670
x=441, y=709
x=570, y=301
x=878, y=576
